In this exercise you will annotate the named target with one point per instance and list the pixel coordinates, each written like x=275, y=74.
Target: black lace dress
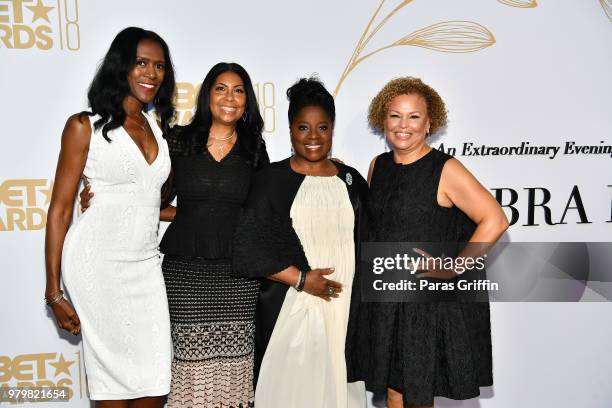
x=422, y=349
x=212, y=313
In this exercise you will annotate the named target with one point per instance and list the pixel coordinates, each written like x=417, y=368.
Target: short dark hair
x=250, y=141
x=110, y=85
x=310, y=92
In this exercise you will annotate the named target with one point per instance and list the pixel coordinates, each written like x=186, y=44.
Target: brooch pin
x=349, y=179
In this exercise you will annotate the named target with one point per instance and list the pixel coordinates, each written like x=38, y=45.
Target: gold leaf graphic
x=607, y=6
x=366, y=36
x=364, y=40
x=520, y=3
x=450, y=36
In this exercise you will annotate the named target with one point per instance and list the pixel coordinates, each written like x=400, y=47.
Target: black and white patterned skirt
x=212, y=317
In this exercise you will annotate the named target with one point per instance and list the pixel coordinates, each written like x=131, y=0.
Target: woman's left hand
x=439, y=273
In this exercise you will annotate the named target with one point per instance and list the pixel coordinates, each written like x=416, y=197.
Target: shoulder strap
x=382, y=162
x=438, y=160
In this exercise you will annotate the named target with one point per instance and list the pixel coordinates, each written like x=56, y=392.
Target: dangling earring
x=244, y=116
x=292, y=151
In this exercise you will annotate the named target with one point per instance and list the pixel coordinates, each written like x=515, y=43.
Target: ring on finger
x=330, y=291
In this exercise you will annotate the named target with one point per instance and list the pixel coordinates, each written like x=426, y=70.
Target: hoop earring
x=292, y=151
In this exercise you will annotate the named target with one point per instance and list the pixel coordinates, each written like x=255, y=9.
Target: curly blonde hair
x=436, y=109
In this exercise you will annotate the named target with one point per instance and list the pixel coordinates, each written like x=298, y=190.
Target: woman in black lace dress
x=211, y=313
x=419, y=194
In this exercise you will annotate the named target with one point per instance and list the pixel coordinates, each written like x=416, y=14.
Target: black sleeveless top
x=422, y=349
x=210, y=195
x=403, y=205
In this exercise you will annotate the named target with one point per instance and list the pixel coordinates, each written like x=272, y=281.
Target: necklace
x=145, y=133
x=222, y=140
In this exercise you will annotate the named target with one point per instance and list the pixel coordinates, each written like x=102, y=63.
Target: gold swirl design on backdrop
x=607, y=6
x=448, y=36
x=520, y=3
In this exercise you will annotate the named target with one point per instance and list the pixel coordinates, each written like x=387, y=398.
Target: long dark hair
x=250, y=142
x=110, y=86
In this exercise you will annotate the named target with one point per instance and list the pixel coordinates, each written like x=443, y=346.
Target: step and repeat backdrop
x=529, y=92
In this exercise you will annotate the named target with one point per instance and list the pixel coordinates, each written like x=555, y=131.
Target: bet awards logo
x=42, y=24
x=43, y=370
x=186, y=98
x=23, y=204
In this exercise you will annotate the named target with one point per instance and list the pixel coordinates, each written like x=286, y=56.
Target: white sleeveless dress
x=111, y=267
x=304, y=364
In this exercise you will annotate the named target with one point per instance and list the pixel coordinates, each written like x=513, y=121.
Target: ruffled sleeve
x=265, y=242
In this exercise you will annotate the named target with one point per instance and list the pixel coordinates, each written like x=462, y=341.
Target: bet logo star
x=40, y=11
x=62, y=365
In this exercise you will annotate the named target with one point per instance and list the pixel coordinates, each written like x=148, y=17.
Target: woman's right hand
x=85, y=195
x=317, y=285
x=71, y=163
x=66, y=316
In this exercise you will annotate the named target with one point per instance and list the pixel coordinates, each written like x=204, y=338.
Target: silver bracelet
x=297, y=284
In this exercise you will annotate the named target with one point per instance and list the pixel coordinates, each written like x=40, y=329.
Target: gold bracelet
x=57, y=298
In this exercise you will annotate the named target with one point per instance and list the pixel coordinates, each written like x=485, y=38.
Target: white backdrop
x=510, y=71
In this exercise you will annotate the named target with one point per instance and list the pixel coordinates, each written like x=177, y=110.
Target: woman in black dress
x=419, y=194
x=212, y=314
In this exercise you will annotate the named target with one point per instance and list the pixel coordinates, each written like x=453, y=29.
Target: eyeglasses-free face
x=406, y=123
x=147, y=74
x=227, y=99
x=311, y=134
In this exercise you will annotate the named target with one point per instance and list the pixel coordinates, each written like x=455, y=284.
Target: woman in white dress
x=109, y=257
x=299, y=231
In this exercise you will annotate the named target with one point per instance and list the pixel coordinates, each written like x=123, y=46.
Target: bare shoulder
x=77, y=130
x=79, y=122
x=454, y=169
x=457, y=180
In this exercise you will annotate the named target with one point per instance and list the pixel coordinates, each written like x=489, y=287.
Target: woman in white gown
x=298, y=230
x=109, y=258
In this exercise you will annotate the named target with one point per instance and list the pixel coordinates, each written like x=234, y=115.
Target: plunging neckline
x=138, y=151
x=212, y=156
